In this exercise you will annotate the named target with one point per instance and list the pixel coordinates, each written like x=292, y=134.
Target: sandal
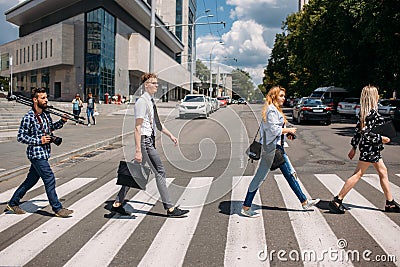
x=392, y=206
x=336, y=206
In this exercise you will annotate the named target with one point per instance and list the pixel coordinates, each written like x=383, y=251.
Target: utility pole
x=152, y=35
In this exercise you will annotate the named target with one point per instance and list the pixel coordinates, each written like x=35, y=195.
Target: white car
x=388, y=107
x=194, y=105
x=349, y=106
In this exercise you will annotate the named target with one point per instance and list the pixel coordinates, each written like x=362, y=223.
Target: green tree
x=202, y=72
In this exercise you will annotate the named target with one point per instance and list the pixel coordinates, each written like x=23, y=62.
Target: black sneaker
x=177, y=212
x=392, y=206
x=120, y=210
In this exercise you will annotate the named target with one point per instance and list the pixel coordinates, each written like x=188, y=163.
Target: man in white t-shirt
x=146, y=123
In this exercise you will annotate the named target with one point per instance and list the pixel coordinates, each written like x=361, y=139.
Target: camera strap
x=41, y=123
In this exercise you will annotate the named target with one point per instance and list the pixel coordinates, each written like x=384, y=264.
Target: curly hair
x=147, y=75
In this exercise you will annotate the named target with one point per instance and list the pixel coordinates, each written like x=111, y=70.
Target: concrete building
x=302, y=3
x=82, y=46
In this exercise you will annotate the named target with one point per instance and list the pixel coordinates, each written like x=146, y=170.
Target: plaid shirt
x=31, y=131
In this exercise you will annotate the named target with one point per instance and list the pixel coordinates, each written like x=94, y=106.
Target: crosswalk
x=241, y=242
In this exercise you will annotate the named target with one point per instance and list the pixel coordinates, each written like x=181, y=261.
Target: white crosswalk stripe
x=246, y=240
x=178, y=232
x=310, y=227
x=245, y=236
x=34, y=204
x=6, y=196
x=373, y=179
x=26, y=248
x=105, y=244
x=366, y=214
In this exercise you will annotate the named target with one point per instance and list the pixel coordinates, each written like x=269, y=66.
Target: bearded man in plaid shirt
x=35, y=131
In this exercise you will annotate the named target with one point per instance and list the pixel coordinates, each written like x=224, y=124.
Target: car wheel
x=328, y=122
x=181, y=116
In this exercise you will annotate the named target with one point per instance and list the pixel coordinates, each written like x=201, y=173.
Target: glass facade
x=179, y=13
x=100, y=53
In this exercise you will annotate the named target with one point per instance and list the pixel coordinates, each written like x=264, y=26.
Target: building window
x=29, y=48
x=37, y=51
x=24, y=55
x=33, y=79
x=51, y=47
x=100, y=53
x=41, y=50
x=33, y=58
x=16, y=57
x=45, y=49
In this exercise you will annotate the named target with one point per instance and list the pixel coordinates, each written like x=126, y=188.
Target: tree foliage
x=346, y=43
x=202, y=72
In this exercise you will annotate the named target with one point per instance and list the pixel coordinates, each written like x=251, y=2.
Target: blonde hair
x=368, y=100
x=272, y=98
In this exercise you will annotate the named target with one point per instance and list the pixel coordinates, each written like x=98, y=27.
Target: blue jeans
x=288, y=172
x=39, y=168
x=90, y=113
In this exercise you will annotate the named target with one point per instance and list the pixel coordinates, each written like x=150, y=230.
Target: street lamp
x=212, y=48
x=193, y=56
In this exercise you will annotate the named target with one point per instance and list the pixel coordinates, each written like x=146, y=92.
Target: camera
x=55, y=140
x=292, y=135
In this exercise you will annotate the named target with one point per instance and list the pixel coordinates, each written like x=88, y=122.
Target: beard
x=43, y=105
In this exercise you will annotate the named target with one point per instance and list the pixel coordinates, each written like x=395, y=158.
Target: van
x=330, y=95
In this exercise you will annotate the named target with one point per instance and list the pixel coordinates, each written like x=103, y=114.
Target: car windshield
x=394, y=103
x=193, y=98
x=317, y=94
x=312, y=102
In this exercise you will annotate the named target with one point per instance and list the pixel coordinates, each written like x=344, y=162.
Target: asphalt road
x=209, y=173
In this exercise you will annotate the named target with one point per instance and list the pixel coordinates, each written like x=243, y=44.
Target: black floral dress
x=369, y=143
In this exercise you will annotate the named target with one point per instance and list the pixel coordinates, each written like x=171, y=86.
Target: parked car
x=241, y=101
x=215, y=104
x=330, y=95
x=209, y=104
x=222, y=101
x=311, y=109
x=195, y=106
x=349, y=106
x=388, y=107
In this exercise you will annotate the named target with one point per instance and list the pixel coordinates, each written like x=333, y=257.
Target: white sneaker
x=310, y=203
x=88, y=125
x=249, y=213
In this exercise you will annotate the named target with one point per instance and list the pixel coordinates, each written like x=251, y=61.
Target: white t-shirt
x=144, y=110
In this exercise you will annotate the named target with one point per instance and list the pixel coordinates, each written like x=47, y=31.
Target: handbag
x=133, y=174
x=254, y=150
x=386, y=129
x=279, y=159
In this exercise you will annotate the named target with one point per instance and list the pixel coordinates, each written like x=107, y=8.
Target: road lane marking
x=373, y=180
x=312, y=231
x=41, y=201
x=101, y=249
x=245, y=236
x=6, y=196
x=179, y=231
x=29, y=246
x=372, y=220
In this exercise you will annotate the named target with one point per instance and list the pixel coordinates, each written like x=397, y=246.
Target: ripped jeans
x=288, y=172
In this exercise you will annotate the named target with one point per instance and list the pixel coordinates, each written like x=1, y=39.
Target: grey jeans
x=152, y=158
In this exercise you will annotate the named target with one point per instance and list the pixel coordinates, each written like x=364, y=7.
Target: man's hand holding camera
x=46, y=139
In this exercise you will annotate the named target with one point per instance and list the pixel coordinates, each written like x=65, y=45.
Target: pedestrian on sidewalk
x=77, y=105
x=146, y=122
x=370, y=145
x=90, y=109
x=272, y=131
x=36, y=130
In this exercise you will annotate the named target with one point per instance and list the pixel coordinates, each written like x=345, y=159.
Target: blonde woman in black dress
x=370, y=145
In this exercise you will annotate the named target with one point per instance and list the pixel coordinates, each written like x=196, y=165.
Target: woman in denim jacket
x=272, y=128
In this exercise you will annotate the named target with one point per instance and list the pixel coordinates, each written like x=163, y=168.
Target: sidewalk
x=77, y=139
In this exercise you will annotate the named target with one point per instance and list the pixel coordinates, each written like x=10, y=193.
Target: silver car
x=387, y=107
x=349, y=106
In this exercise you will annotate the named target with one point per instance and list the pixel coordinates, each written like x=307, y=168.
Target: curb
x=56, y=159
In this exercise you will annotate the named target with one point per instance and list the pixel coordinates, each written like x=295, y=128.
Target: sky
x=248, y=35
